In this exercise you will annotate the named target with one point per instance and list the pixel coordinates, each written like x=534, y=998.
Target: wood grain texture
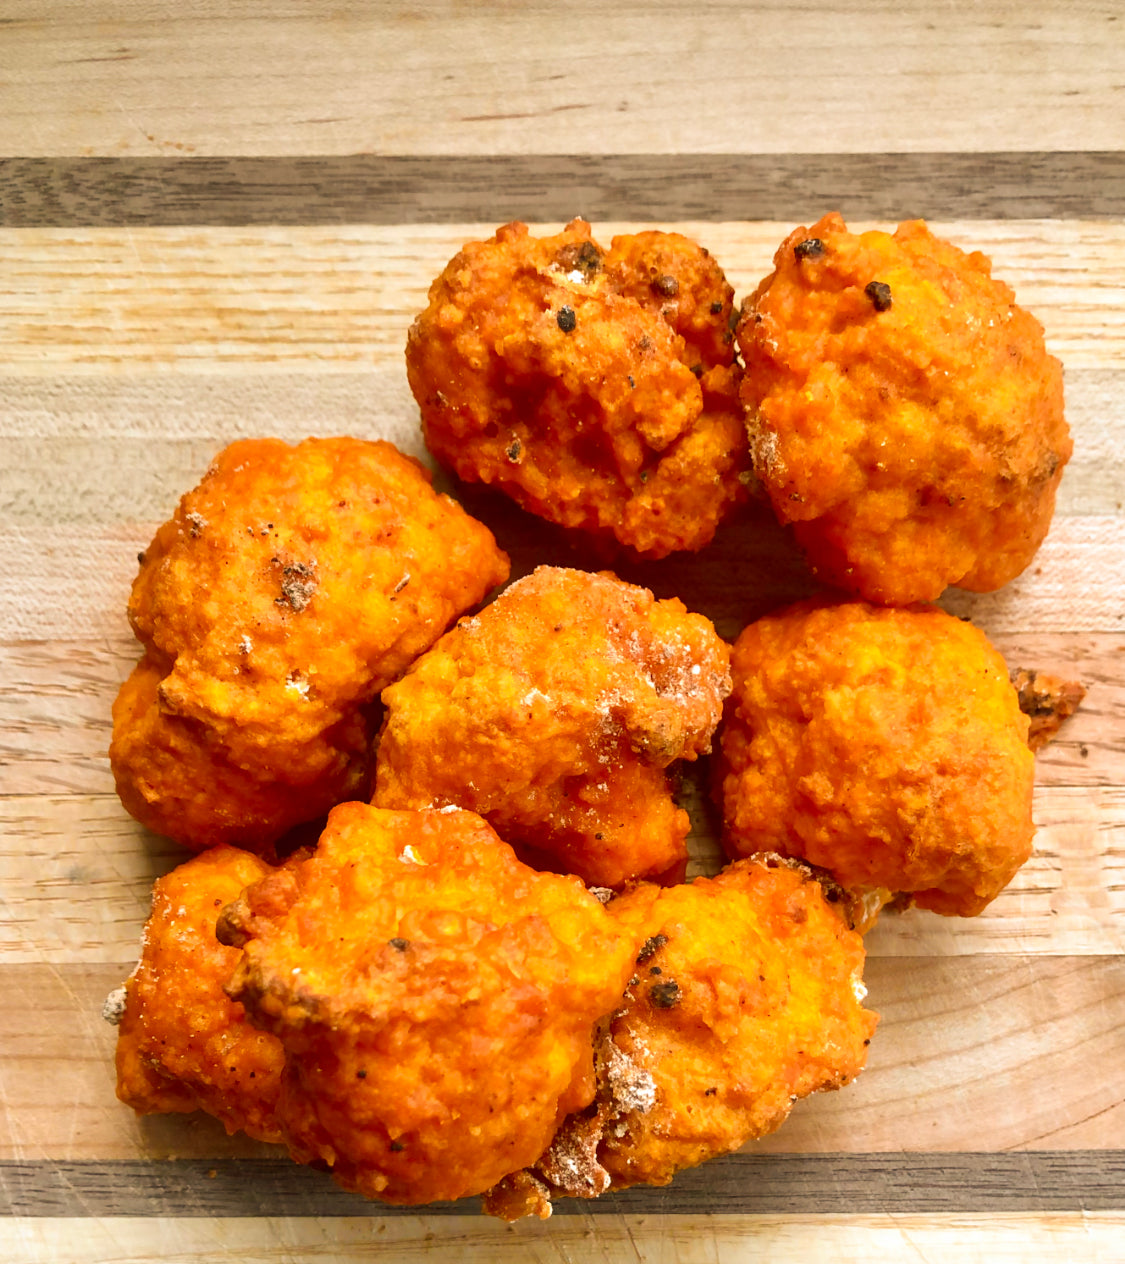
x=936, y=1238
x=960, y=1039
x=53, y=750
x=440, y=77
x=77, y=873
x=126, y=299
x=217, y=222
x=371, y=189
x=821, y=1185
x=164, y=431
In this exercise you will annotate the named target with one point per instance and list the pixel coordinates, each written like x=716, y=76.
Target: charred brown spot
x=810, y=248
x=229, y=929
x=665, y=995
x=879, y=292
x=397, y=1147
x=667, y=286
x=716, y=308
x=400, y=945
x=582, y=257
x=1047, y=701
x=513, y=450
x=566, y=320
x=361, y=1075
x=651, y=947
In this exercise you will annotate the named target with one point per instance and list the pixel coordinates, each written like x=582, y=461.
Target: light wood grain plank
x=127, y=447
x=1010, y=1039
x=438, y=77
x=55, y=725
x=1048, y=1238
x=339, y=297
x=73, y=582
x=76, y=874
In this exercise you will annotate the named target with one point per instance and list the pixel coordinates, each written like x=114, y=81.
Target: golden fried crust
x=886, y=746
x=745, y=997
x=567, y=377
x=436, y=997
x=290, y=587
x=182, y=1044
x=904, y=413
x=554, y=713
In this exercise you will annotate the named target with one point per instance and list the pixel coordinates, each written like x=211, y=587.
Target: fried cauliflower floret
x=436, y=998
x=598, y=390
x=886, y=746
x=182, y=1043
x=555, y=713
x=904, y=413
x=288, y=589
x=746, y=995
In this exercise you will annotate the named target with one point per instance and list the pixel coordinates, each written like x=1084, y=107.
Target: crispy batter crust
x=597, y=389
x=904, y=413
x=182, y=1044
x=290, y=587
x=886, y=746
x=436, y=998
x=1048, y=701
x=554, y=713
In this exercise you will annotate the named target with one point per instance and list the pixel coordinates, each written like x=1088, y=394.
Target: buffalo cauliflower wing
x=596, y=388
x=555, y=713
x=436, y=999
x=886, y=746
x=904, y=413
x=288, y=589
x=746, y=995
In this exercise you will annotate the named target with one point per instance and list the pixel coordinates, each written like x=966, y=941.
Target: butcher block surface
x=218, y=222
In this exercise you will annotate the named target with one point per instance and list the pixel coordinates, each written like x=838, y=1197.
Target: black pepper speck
x=668, y=286
x=879, y=292
x=665, y=995
x=566, y=320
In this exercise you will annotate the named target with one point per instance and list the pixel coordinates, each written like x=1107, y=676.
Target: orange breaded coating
x=436, y=998
x=555, y=713
x=288, y=589
x=746, y=995
x=182, y=1043
x=597, y=389
x=904, y=413
x=886, y=746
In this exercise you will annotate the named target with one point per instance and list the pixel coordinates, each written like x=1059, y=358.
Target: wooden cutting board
x=214, y=226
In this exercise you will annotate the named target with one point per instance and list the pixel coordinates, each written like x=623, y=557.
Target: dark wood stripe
x=366, y=189
x=741, y=1184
